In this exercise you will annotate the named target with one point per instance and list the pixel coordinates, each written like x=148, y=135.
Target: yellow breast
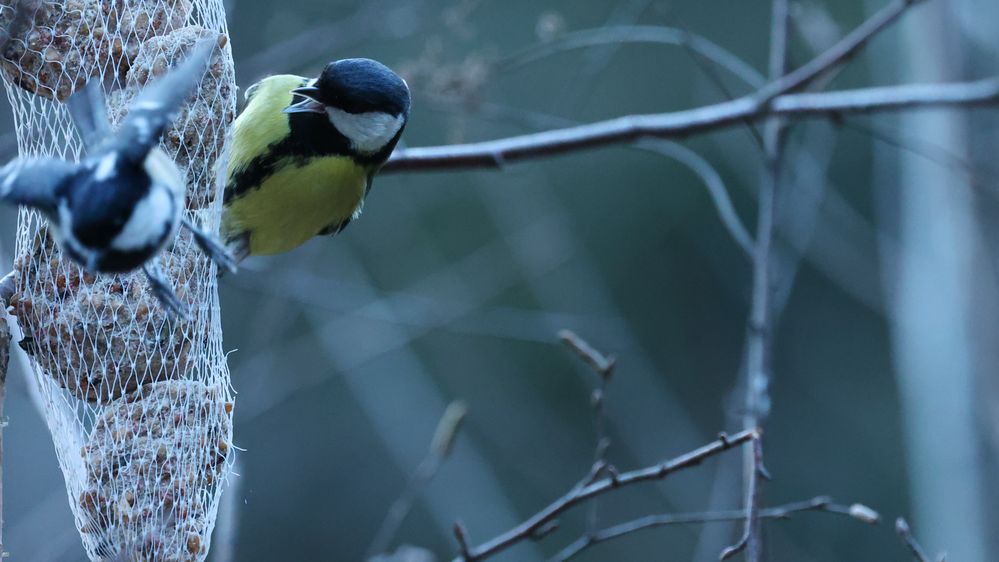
x=296, y=202
x=296, y=198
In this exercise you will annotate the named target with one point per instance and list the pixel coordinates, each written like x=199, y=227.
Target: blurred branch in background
x=603, y=366
x=381, y=19
x=770, y=100
x=628, y=34
x=905, y=534
x=372, y=356
x=940, y=289
x=440, y=449
x=594, y=62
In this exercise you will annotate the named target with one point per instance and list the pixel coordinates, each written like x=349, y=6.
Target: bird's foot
x=163, y=292
x=211, y=247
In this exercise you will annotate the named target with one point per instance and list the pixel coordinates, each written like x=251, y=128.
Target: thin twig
x=931, y=151
x=497, y=153
x=785, y=511
x=461, y=536
x=603, y=366
x=228, y=521
x=541, y=523
x=905, y=533
x=622, y=34
x=841, y=51
x=751, y=539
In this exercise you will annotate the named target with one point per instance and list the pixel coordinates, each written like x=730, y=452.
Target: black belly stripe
x=312, y=136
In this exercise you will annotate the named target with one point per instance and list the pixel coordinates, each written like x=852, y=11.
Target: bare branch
x=494, y=154
x=712, y=180
x=785, y=511
x=497, y=153
x=601, y=364
x=461, y=535
x=530, y=529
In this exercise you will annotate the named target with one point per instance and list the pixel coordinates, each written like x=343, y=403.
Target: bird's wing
x=34, y=182
x=156, y=107
x=86, y=107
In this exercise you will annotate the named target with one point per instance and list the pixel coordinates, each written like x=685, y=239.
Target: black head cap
x=362, y=85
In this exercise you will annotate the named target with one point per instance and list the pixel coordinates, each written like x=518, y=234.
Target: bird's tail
x=238, y=247
x=86, y=107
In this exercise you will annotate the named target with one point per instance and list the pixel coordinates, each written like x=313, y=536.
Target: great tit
x=115, y=210
x=304, y=152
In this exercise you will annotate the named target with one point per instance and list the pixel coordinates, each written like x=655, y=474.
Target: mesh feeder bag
x=139, y=405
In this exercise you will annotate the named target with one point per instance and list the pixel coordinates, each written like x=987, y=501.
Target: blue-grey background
x=453, y=286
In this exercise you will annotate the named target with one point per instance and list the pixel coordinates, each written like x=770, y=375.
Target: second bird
x=304, y=152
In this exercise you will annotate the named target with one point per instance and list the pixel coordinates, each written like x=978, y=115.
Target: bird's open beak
x=307, y=105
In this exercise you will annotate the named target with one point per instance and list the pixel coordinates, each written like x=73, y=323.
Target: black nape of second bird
x=304, y=153
x=118, y=208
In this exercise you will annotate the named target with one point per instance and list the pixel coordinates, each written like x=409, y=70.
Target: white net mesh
x=139, y=405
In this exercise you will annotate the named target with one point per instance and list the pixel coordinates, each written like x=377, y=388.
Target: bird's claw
x=211, y=247
x=164, y=293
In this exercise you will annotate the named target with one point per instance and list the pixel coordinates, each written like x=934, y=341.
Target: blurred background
x=453, y=286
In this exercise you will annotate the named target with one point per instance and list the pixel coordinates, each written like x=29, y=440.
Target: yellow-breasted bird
x=304, y=152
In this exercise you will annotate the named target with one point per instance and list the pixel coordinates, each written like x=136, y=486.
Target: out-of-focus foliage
x=453, y=286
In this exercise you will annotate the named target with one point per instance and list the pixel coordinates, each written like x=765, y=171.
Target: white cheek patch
x=162, y=170
x=106, y=168
x=368, y=132
x=12, y=170
x=151, y=217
